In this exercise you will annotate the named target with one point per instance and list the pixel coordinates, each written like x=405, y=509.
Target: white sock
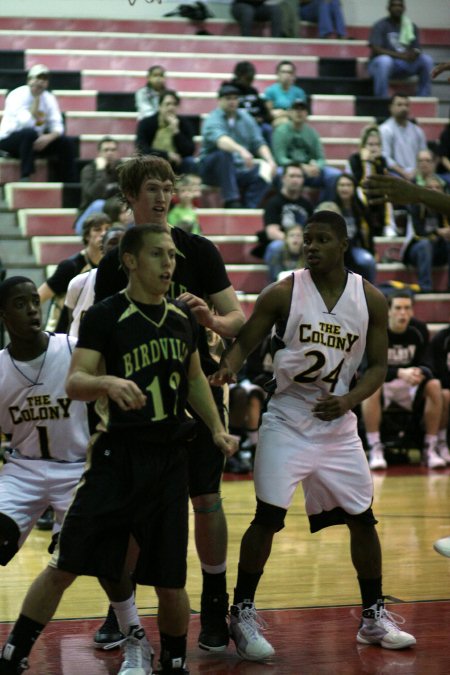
x=442, y=435
x=126, y=613
x=431, y=440
x=373, y=438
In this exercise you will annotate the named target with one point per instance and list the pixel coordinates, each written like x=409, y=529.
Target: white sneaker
x=376, y=457
x=137, y=654
x=443, y=451
x=432, y=459
x=379, y=627
x=442, y=546
x=245, y=627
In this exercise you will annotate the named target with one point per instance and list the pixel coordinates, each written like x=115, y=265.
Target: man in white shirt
x=32, y=125
x=401, y=139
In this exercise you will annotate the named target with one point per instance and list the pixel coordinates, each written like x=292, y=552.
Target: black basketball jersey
x=150, y=345
x=199, y=270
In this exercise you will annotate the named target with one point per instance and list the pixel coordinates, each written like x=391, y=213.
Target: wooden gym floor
x=308, y=595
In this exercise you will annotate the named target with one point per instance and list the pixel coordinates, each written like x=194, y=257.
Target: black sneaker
x=8, y=666
x=214, y=634
x=109, y=633
x=45, y=522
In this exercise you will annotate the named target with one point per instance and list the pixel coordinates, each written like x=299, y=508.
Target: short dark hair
x=91, y=221
x=243, y=68
x=153, y=68
x=285, y=63
x=169, y=92
x=397, y=95
x=405, y=295
x=334, y=220
x=142, y=167
x=293, y=165
x=7, y=286
x=106, y=139
x=133, y=239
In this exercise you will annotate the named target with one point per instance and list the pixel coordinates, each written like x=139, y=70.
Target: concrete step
x=16, y=252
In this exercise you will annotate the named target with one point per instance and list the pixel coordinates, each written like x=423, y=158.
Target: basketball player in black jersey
x=137, y=356
x=147, y=183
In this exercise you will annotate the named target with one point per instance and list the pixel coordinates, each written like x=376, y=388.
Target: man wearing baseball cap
x=32, y=126
x=232, y=142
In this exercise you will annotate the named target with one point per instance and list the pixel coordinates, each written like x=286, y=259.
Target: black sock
x=247, y=583
x=371, y=591
x=23, y=636
x=214, y=584
x=172, y=648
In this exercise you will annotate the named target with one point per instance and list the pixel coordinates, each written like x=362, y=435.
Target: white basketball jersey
x=79, y=297
x=44, y=422
x=322, y=349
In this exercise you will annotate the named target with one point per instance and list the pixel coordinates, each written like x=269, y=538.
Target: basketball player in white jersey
x=49, y=432
x=325, y=318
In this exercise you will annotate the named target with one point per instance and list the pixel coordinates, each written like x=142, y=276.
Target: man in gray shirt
x=401, y=139
x=231, y=141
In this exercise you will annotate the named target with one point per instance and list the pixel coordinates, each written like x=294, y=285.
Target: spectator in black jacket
x=168, y=135
x=249, y=99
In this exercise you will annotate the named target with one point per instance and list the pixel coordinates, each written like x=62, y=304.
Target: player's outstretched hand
x=440, y=68
x=126, y=394
x=222, y=376
x=227, y=443
x=379, y=189
x=329, y=407
x=199, y=308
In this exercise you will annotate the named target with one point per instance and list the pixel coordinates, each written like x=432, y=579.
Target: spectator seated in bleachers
x=246, y=12
x=80, y=292
x=401, y=138
x=98, y=180
x=426, y=168
x=168, y=135
x=396, y=52
x=249, y=98
x=362, y=164
x=296, y=142
x=327, y=14
x=359, y=255
x=118, y=211
x=184, y=213
x=286, y=208
x=409, y=384
x=231, y=142
x=32, y=126
x=443, y=151
x=147, y=98
x=289, y=256
x=55, y=287
x=280, y=97
x=438, y=357
x=428, y=242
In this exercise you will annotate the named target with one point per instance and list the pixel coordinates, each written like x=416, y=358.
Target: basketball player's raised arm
x=376, y=348
x=86, y=382
x=272, y=305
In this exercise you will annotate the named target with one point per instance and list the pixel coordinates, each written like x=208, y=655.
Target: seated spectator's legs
x=95, y=207
x=326, y=181
x=272, y=258
x=331, y=19
x=364, y=263
x=20, y=145
x=252, y=187
x=217, y=168
x=420, y=254
x=188, y=165
x=380, y=69
x=422, y=67
x=383, y=68
x=310, y=11
x=62, y=154
x=245, y=15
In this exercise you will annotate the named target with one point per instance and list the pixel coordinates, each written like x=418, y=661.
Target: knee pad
x=9, y=539
x=269, y=516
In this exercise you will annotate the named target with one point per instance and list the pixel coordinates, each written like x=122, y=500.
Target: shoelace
x=391, y=619
x=250, y=616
